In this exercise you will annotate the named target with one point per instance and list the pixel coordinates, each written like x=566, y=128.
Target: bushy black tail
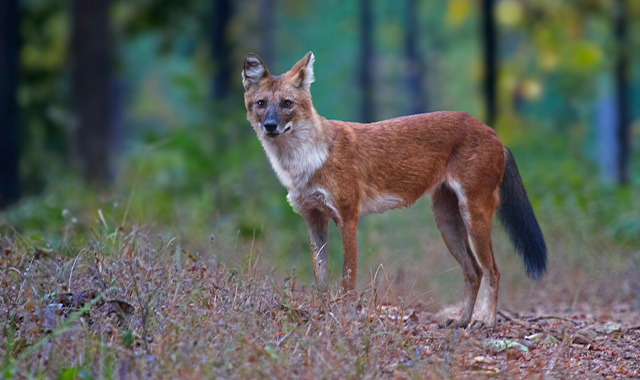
x=519, y=221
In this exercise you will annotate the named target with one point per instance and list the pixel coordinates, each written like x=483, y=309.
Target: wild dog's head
x=278, y=105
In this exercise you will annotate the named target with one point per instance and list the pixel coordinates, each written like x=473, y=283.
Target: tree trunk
x=418, y=102
x=366, y=61
x=267, y=23
x=9, y=56
x=622, y=90
x=90, y=85
x=490, y=47
x=606, y=120
x=220, y=49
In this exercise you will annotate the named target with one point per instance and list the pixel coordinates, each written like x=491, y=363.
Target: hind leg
x=446, y=211
x=480, y=215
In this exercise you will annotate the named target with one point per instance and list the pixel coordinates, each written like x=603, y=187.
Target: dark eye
x=261, y=103
x=287, y=104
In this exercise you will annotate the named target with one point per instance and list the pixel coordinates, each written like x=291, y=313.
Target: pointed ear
x=302, y=72
x=253, y=71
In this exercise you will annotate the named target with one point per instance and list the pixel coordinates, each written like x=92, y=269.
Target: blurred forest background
x=125, y=115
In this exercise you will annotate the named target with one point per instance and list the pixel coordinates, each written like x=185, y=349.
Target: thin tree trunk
x=622, y=91
x=267, y=22
x=220, y=49
x=9, y=55
x=418, y=101
x=606, y=121
x=90, y=84
x=366, y=61
x=490, y=47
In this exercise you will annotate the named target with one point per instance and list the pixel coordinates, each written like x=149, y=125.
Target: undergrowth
x=132, y=304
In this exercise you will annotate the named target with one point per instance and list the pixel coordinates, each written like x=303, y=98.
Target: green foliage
x=43, y=97
x=570, y=194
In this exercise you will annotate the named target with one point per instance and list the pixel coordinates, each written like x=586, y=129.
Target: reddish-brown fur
x=374, y=167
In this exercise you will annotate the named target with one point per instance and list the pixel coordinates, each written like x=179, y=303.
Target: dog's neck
x=298, y=154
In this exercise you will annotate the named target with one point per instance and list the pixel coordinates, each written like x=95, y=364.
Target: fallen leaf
x=608, y=328
x=120, y=308
x=542, y=338
x=482, y=359
x=504, y=344
x=584, y=336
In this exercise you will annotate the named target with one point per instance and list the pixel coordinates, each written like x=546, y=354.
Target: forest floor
x=143, y=310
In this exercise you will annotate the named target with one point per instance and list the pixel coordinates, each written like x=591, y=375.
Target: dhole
x=340, y=171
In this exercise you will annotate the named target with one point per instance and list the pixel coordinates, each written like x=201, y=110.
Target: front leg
x=350, y=253
x=318, y=225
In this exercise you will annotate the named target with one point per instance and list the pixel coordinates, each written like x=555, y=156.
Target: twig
x=175, y=294
x=73, y=267
x=536, y=319
x=167, y=246
x=554, y=358
x=283, y=339
x=503, y=315
x=97, y=271
x=24, y=280
x=515, y=320
x=144, y=306
x=336, y=319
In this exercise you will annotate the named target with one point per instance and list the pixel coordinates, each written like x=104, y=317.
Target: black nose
x=270, y=126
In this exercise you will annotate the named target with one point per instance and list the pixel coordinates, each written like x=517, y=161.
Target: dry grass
x=162, y=311
x=130, y=305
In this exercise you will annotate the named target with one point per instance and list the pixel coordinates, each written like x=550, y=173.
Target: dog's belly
x=380, y=203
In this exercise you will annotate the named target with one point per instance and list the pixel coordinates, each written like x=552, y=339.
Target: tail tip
x=536, y=274
x=536, y=266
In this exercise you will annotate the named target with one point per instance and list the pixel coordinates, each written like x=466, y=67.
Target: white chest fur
x=295, y=156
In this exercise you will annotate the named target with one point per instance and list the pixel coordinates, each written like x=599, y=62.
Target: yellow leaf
x=509, y=13
x=458, y=12
x=548, y=60
x=586, y=55
x=531, y=89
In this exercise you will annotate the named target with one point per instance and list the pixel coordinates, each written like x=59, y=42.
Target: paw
x=481, y=325
x=454, y=324
x=477, y=325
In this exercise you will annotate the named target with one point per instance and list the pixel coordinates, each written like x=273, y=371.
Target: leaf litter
x=139, y=313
